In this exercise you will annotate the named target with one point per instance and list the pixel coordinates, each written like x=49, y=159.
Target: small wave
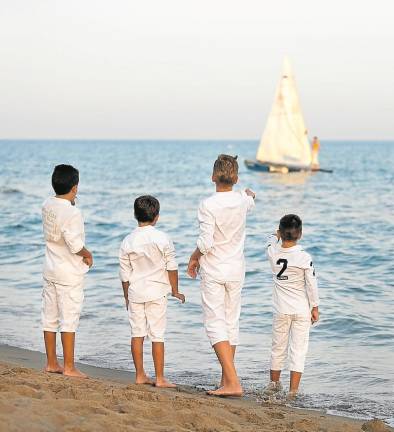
x=10, y=191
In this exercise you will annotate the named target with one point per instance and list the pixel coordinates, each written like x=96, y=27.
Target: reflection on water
x=294, y=178
x=347, y=228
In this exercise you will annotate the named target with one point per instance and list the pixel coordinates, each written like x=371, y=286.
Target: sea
x=348, y=229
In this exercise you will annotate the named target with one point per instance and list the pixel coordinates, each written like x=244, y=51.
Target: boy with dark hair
x=295, y=302
x=66, y=262
x=220, y=258
x=148, y=271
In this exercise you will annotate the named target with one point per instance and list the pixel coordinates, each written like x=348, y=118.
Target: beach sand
x=31, y=400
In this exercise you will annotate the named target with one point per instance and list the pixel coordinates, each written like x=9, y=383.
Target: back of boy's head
x=290, y=227
x=146, y=208
x=64, y=178
x=225, y=169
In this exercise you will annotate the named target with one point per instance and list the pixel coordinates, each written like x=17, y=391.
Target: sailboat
x=284, y=145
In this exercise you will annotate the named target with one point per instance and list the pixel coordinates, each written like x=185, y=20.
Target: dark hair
x=146, y=208
x=225, y=169
x=290, y=227
x=64, y=177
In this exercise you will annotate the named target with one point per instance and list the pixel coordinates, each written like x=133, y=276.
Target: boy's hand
x=179, y=296
x=249, y=192
x=314, y=315
x=88, y=260
x=193, y=267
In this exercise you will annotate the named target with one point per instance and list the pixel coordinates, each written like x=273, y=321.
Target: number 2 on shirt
x=284, y=267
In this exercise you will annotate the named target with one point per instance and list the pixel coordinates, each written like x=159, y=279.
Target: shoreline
x=33, y=400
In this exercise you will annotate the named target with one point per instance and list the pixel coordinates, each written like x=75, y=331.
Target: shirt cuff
x=201, y=248
x=171, y=266
x=123, y=276
x=76, y=247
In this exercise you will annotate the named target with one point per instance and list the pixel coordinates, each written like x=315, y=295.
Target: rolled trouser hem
x=298, y=369
x=138, y=335
x=157, y=339
x=223, y=339
x=49, y=329
x=68, y=330
x=276, y=366
x=215, y=341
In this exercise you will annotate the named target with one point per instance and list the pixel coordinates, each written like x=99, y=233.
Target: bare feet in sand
x=74, y=373
x=56, y=368
x=144, y=379
x=163, y=383
x=235, y=391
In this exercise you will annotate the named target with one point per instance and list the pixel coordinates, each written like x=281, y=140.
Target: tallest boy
x=220, y=257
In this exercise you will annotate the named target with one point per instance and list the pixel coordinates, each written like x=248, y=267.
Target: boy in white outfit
x=220, y=258
x=66, y=262
x=148, y=271
x=295, y=302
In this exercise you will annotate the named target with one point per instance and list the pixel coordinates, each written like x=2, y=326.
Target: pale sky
x=198, y=69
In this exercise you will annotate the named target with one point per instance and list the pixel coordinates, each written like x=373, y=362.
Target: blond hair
x=225, y=169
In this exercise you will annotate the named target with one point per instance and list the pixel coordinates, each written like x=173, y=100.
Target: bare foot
x=163, y=383
x=144, y=380
x=54, y=369
x=292, y=395
x=226, y=391
x=74, y=373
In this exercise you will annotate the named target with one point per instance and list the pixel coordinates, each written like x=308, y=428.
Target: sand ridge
x=32, y=400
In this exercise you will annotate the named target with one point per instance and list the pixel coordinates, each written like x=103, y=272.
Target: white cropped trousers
x=221, y=304
x=290, y=339
x=61, y=306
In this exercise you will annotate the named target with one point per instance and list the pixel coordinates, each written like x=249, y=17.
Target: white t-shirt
x=145, y=256
x=64, y=236
x=295, y=284
x=222, y=219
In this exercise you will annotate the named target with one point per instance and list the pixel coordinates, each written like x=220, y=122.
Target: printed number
x=284, y=267
x=314, y=273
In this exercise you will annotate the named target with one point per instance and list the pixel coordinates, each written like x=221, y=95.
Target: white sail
x=285, y=140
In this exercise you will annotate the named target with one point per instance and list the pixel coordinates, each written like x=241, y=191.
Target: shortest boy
x=295, y=302
x=148, y=272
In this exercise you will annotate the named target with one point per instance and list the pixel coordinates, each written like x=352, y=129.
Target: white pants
x=149, y=319
x=61, y=306
x=221, y=305
x=290, y=338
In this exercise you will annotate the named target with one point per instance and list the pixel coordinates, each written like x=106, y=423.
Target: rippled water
x=348, y=228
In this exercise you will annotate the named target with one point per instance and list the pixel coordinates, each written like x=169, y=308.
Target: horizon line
x=187, y=139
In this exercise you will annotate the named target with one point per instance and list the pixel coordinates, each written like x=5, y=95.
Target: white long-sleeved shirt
x=64, y=233
x=145, y=256
x=222, y=219
x=295, y=283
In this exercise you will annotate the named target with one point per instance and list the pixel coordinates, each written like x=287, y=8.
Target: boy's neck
x=145, y=224
x=288, y=244
x=223, y=187
x=68, y=196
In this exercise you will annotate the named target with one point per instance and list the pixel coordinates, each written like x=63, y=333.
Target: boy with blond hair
x=219, y=257
x=66, y=262
x=148, y=272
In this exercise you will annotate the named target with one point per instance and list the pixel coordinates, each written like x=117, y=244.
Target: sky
x=193, y=69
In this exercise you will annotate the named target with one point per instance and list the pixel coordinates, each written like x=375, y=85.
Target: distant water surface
x=348, y=229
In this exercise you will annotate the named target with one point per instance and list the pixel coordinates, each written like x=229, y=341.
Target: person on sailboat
x=315, y=153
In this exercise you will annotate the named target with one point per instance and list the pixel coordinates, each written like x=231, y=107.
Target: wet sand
x=31, y=400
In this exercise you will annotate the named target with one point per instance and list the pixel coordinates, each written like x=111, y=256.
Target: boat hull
x=274, y=168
